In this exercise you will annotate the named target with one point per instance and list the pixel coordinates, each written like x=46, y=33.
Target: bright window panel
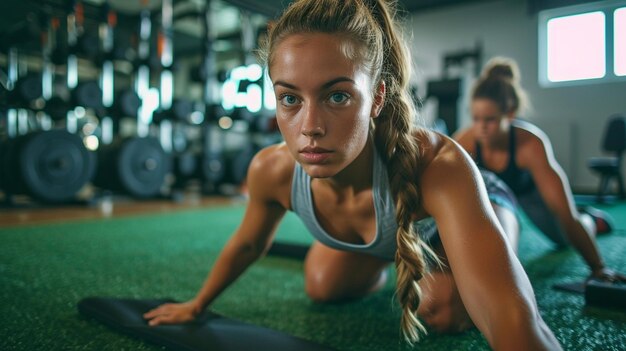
x=576, y=47
x=620, y=41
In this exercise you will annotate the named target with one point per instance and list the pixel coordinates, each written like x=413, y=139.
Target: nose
x=481, y=126
x=312, y=122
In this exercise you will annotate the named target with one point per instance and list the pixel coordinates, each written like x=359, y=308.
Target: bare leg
x=332, y=275
x=509, y=223
x=589, y=224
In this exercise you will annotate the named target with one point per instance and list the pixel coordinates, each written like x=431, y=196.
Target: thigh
x=538, y=212
x=510, y=224
x=333, y=275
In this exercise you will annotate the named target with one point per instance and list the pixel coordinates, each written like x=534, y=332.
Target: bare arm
x=249, y=242
x=492, y=283
x=554, y=188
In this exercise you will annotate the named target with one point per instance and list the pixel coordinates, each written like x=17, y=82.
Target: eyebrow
x=326, y=85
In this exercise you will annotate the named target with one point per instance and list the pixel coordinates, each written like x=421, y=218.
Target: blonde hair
x=380, y=48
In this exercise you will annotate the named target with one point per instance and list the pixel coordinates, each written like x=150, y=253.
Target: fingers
x=157, y=311
x=157, y=321
x=608, y=275
x=163, y=314
x=169, y=313
x=620, y=277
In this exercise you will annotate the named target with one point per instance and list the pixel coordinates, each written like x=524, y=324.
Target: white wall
x=573, y=117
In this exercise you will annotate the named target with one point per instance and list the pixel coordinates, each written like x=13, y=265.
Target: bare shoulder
x=466, y=139
x=533, y=144
x=446, y=172
x=270, y=175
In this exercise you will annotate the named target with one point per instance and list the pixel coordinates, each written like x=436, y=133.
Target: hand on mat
x=607, y=275
x=172, y=313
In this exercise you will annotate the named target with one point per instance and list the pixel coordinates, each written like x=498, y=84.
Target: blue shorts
x=499, y=194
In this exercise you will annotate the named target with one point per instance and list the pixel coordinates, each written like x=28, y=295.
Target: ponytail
x=395, y=140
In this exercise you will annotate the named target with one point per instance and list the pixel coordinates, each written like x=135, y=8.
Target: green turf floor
x=45, y=270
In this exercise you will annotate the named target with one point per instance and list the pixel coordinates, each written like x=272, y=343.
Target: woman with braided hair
x=372, y=187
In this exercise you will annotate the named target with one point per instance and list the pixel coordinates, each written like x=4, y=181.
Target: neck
x=500, y=140
x=357, y=176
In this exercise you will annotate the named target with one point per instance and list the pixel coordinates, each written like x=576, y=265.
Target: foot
x=603, y=221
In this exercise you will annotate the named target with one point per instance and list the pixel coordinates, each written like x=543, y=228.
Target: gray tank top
x=384, y=243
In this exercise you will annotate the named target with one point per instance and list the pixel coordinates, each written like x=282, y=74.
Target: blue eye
x=288, y=100
x=338, y=98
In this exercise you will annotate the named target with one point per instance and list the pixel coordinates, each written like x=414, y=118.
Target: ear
x=379, y=99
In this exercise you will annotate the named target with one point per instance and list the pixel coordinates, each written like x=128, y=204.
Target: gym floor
x=26, y=213
x=51, y=258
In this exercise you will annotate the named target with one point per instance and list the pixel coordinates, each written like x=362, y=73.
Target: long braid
x=395, y=136
x=381, y=49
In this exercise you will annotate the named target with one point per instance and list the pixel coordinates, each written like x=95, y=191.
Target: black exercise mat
x=210, y=332
x=573, y=287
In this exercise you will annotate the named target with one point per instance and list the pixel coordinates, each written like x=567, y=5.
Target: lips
x=312, y=154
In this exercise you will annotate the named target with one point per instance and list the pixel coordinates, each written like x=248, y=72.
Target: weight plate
x=54, y=165
x=185, y=165
x=142, y=166
x=212, y=167
x=239, y=164
x=88, y=95
x=128, y=103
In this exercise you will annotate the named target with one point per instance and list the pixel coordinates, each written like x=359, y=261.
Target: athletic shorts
x=499, y=194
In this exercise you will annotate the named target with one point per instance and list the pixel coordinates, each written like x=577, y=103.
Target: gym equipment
x=51, y=166
x=24, y=31
x=610, y=167
x=137, y=164
x=573, y=287
x=179, y=111
x=238, y=163
x=212, y=168
x=598, y=293
x=88, y=94
x=209, y=332
x=126, y=103
x=27, y=89
x=174, y=114
x=448, y=90
x=606, y=294
x=185, y=165
x=133, y=165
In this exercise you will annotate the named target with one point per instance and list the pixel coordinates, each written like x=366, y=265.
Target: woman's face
x=324, y=101
x=488, y=120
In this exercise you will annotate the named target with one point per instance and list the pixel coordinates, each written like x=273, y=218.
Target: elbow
x=246, y=249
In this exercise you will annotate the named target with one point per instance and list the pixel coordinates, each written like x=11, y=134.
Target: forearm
x=506, y=311
x=234, y=259
x=521, y=331
x=583, y=242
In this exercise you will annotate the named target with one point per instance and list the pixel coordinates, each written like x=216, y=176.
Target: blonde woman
x=369, y=186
